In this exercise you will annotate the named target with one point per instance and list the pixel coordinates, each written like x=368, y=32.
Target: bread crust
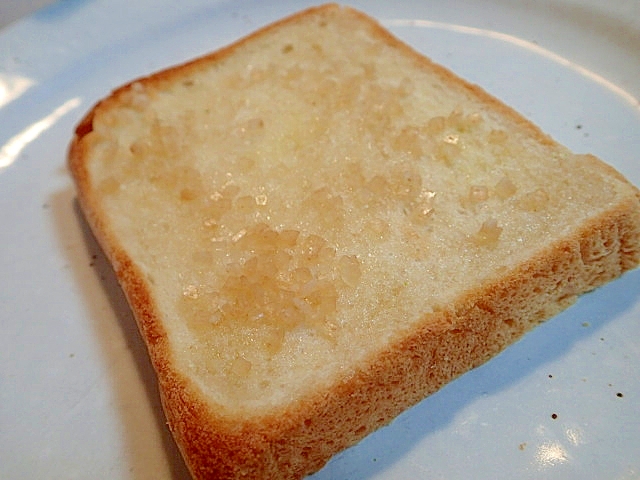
x=298, y=440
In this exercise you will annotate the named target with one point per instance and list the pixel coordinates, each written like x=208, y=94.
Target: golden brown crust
x=298, y=441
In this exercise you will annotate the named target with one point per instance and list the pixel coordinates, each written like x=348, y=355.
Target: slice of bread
x=316, y=227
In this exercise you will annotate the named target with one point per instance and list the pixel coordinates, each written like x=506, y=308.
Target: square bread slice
x=316, y=227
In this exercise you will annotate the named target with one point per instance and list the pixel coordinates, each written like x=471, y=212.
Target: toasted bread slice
x=316, y=227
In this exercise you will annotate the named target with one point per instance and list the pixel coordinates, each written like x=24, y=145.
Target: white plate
x=77, y=394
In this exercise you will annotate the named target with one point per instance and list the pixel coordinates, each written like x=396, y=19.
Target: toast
x=316, y=227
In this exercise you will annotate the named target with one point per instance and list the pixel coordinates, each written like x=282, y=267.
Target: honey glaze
x=278, y=281
x=287, y=213
x=289, y=246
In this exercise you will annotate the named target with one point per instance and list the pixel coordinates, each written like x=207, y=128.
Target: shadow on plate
x=85, y=263
x=57, y=10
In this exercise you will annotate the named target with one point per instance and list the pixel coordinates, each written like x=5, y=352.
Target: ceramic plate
x=78, y=396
